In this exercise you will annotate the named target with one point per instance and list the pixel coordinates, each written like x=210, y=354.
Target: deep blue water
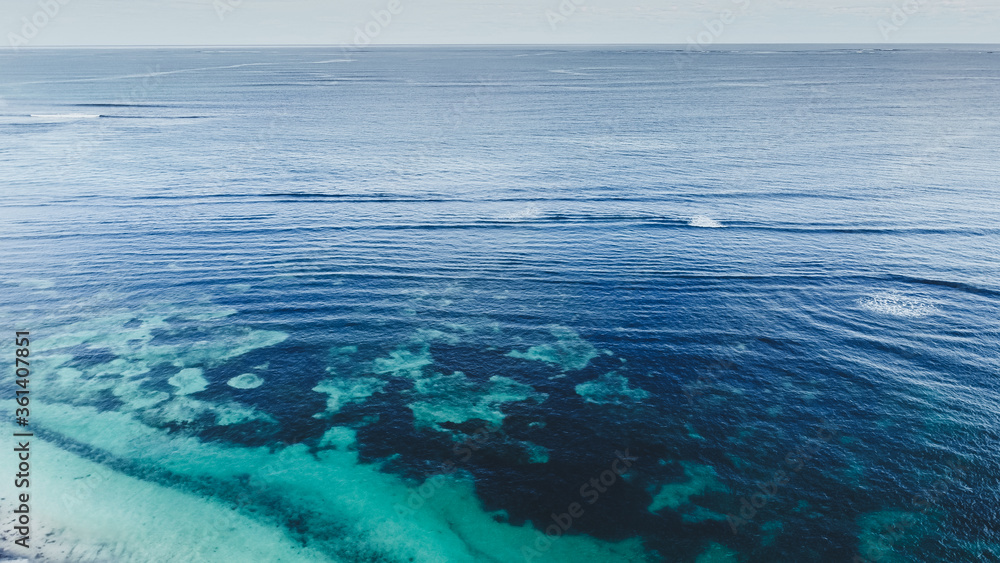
x=729, y=264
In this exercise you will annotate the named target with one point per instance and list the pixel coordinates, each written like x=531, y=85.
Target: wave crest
x=705, y=222
x=65, y=116
x=896, y=304
x=526, y=214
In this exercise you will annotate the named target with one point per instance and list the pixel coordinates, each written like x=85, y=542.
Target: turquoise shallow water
x=426, y=304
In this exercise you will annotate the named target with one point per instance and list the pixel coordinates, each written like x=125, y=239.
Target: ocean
x=509, y=304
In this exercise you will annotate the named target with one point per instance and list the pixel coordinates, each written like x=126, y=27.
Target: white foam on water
x=64, y=116
x=245, y=381
x=897, y=305
x=30, y=283
x=704, y=222
x=526, y=213
x=610, y=389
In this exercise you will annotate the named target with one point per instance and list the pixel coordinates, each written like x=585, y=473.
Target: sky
x=39, y=23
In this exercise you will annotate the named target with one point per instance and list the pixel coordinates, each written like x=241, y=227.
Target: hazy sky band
x=288, y=22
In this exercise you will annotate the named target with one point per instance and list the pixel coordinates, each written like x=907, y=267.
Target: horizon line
x=546, y=45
